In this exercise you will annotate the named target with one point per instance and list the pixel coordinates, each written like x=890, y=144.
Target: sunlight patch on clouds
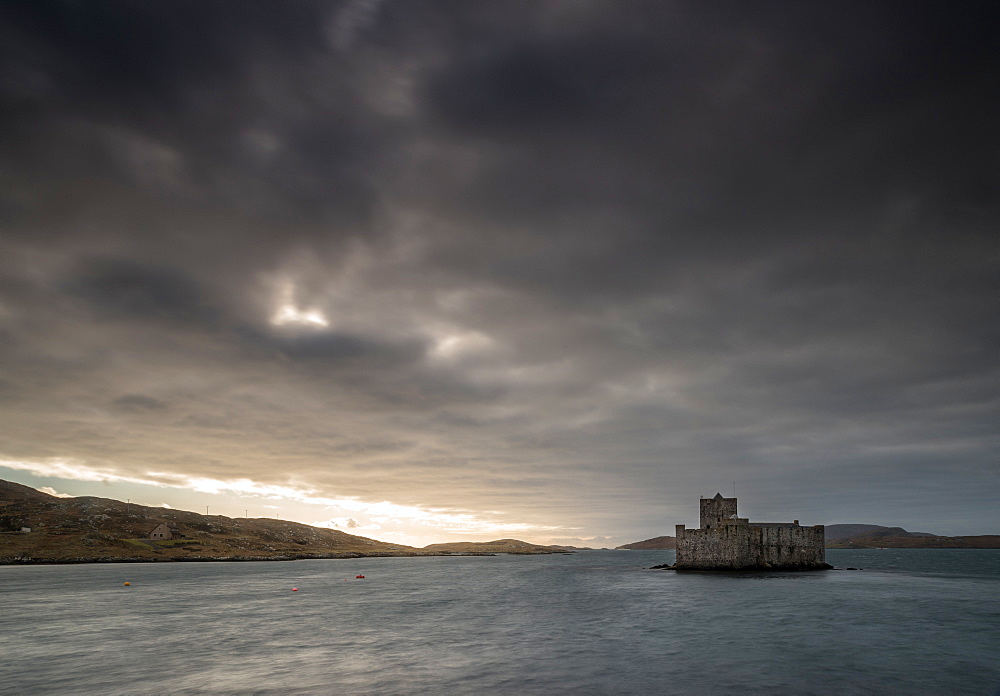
x=288, y=312
x=456, y=343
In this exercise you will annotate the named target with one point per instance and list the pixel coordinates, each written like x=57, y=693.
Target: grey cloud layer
x=580, y=261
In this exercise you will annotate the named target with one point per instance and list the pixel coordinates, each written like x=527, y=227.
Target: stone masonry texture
x=728, y=542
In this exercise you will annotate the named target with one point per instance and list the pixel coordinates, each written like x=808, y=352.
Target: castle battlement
x=726, y=541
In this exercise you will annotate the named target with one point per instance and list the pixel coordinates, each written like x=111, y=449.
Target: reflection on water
x=913, y=621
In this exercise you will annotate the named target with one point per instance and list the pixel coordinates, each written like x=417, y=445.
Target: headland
x=38, y=528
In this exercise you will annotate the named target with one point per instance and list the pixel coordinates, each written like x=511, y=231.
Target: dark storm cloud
x=329, y=348
x=575, y=261
x=139, y=292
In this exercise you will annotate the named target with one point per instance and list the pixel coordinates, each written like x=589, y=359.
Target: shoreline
x=218, y=559
x=77, y=560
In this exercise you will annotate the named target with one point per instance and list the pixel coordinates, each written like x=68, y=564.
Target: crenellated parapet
x=726, y=541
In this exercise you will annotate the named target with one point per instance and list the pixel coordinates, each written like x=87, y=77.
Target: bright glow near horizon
x=382, y=520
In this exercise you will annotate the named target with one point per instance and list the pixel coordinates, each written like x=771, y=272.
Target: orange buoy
x=127, y=584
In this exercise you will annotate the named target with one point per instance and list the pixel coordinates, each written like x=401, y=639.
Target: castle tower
x=728, y=542
x=715, y=510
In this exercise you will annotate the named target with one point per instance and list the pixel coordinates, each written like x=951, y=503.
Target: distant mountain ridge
x=91, y=529
x=868, y=536
x=864, y=536
x=660, y=542
x=836, y=532
x=499, y=546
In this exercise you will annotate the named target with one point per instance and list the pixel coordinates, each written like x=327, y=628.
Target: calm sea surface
x=911, y=622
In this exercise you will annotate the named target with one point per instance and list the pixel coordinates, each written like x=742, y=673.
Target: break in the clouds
x=552, y=268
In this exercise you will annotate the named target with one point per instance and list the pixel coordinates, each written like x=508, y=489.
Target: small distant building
x=25, y=530
x=727, y=541
x=166, y=530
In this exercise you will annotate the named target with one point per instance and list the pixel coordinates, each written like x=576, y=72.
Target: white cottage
x=165, y=530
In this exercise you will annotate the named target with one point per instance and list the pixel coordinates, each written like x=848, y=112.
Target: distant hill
x=836, y=532
x=660, y=542
x=100, y=529
x=863, y=536
x=13, y=491
x=498, y=546
x=874, y=536
x=888, y=538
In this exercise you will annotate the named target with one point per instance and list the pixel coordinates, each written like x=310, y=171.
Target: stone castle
x=726, y=541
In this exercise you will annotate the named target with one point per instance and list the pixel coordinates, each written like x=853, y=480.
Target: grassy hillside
x=89, y=528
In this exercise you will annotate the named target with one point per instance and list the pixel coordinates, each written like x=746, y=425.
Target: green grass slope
x=89, y=528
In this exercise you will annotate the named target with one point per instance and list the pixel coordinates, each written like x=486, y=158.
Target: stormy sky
x=428, y=270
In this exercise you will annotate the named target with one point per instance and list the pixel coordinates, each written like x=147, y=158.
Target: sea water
x=595, y=622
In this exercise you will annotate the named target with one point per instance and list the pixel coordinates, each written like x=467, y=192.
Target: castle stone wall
x=736, y=544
